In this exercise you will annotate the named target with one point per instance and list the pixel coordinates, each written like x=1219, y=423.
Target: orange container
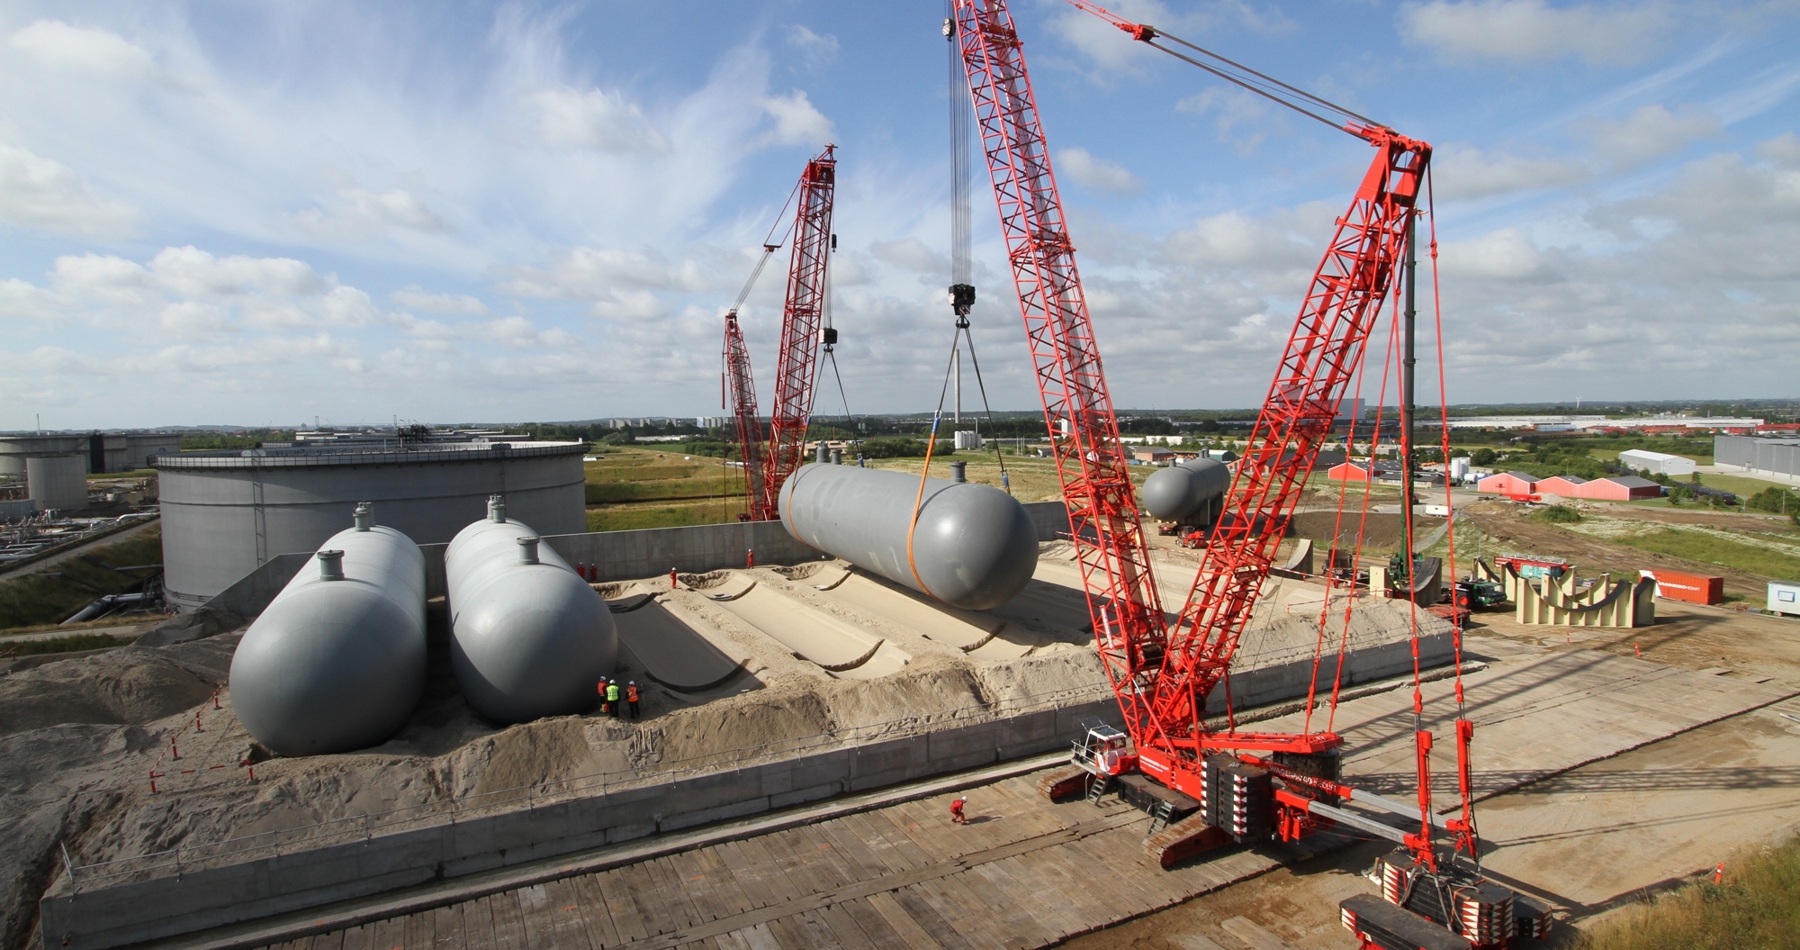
x=1692, y=588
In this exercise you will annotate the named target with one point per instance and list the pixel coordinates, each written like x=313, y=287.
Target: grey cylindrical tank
x=337, y=660
x=1178, y=492
x=528, y=637
x=974, y=547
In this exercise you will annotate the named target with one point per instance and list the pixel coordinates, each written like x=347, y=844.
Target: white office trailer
x=1784, y=598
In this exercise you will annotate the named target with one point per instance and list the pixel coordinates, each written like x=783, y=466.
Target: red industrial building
x=1568, y=486
x=1619, y=488
x=1507, y=483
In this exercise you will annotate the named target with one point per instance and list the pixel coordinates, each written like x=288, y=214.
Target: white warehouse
x=1656, y=462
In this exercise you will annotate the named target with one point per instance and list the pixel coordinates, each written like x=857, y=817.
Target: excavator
x=1180, y=755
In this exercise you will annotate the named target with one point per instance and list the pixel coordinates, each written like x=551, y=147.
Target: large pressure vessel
x=974, y=546
x=1180, y=492
x=337, y=660
x=528, y=637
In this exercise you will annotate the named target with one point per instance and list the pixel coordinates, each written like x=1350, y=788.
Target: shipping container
x=1532, y=568
x=1784, y=598
x=1692, y=588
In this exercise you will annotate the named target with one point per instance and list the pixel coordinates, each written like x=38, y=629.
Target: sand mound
x=129, y=685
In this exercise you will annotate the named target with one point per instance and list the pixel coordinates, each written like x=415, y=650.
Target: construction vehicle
x=1210, y=783
x=804, y=327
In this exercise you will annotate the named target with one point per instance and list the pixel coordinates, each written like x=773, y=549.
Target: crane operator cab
x=1104, y=750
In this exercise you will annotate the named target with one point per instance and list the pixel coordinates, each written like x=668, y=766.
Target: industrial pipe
x=973, y=546
x=528, y=637
x=336, y=662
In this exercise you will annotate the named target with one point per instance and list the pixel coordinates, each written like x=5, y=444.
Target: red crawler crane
x=767, y=466
x=1162, y=672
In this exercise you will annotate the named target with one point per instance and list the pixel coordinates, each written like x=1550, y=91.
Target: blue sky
x=259, y=213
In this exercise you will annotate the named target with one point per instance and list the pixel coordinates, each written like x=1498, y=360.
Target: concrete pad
x=1597, y=837
x=826, y=641
x=673, y=652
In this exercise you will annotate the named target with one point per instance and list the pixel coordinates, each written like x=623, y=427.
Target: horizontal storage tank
x=528, y=637
x=974, y=546
x=1181, y=491
x=224, y=514
x=337, y=660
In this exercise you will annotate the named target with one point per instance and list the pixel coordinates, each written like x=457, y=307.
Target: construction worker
x=612, y=697
x=605, y=707
x=956, y=810
x=631, y=696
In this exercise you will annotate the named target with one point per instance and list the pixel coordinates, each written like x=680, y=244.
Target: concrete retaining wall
x=89, y=918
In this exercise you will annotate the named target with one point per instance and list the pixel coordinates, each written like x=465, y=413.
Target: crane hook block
x=828, y=336
x=962, y=297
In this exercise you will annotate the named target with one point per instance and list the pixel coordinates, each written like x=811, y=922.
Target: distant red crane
x=767, y=464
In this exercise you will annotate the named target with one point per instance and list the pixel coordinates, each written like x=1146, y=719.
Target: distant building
x=1568, y=486
x=1656, y=462
x=1768, y=456
x=1507, y=483
x=1151, y=454
x=1620, y=488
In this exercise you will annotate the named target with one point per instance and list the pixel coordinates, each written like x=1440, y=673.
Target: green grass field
x=51, y=595
x=1743, y=555
x=1757, y=907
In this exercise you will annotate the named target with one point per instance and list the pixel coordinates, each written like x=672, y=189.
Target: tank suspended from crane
x=1187, y=493
x=970, y=546
x=337, y=660
x=528, y=637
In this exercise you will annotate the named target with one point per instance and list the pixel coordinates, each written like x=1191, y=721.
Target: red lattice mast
x=741, y=391
x=801, y=320
x=1103, y=515
x=1162, y=674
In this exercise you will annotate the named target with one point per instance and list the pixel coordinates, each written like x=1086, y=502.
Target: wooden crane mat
x=1023, y=872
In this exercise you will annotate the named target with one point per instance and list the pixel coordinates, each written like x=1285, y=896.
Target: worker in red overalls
x=631, y=697
x=956, y=811
x=605, y=707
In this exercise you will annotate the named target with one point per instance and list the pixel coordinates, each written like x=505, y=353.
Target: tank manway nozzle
x=837, y=456
x=528, y=553
x=331, y=565
x=365, y=516
x=956, y=472
x=497, y=508
x=821, y=453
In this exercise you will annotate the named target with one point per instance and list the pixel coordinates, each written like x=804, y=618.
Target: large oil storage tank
x=974, y=545
x=337, y=660
x=57, y=481
x=528, y=637
x=1189, y=492
x=226, y=513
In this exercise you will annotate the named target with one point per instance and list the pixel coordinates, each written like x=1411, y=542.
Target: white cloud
x=1650, y=132
x=911, y=254
x=414, y=297
x=364, y=214
x=593, y=118
x=101, y=52
x=1239, y=117
x=43, y=194
x=1783, y=150
x=586, y=271
x=1467, y=172
x=1084, y=169
x=1503, y=255
x=1526, y=31
x=816, y=50
x=796, y=121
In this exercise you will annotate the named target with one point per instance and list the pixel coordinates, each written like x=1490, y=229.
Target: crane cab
x=1105, y=750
